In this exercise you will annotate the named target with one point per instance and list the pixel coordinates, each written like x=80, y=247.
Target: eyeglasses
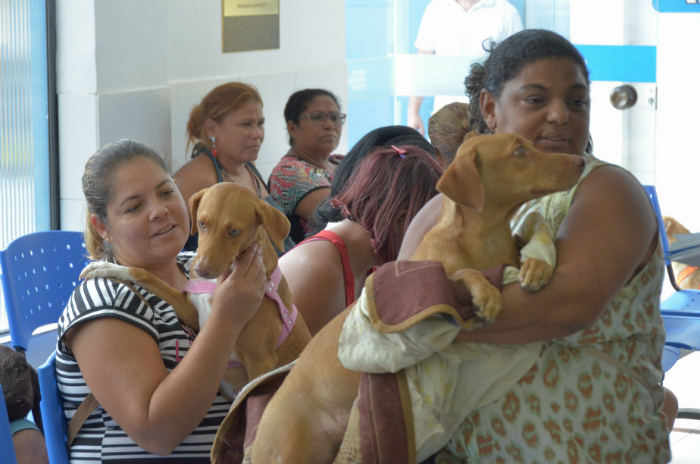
x=317, y=118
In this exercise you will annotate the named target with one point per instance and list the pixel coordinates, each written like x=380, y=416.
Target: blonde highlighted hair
x=448, y=128
x=216, y=105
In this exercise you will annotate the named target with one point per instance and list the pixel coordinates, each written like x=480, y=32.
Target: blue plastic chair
x=7, y=448
x=680, y=311
x=55, y=426
x=39, y=273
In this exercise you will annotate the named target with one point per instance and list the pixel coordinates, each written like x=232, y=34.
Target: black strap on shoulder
x=201, y=148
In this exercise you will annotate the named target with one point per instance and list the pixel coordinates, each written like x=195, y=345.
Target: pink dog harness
x=289, y=318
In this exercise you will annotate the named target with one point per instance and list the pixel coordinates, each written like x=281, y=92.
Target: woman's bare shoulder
x=314, y=262
x=195, y=175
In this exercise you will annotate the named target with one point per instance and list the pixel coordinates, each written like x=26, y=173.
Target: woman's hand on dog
x=239, y=291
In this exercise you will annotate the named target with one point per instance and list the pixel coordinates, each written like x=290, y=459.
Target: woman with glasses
x=303, y=177
x=227, y=129
x=375, y=193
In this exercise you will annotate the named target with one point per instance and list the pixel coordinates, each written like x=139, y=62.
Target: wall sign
x=248, y=25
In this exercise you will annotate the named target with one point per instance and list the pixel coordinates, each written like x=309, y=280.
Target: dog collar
x=289, y=318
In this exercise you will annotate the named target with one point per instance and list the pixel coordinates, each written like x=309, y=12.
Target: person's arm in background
x=425, y=43
x=306, y=206
x=414, y=104
x=604, y=239
x=30, y=447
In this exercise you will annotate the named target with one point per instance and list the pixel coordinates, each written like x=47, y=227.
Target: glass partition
x=617, y=38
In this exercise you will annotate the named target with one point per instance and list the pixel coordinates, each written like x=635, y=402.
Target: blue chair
x=39, y=273
x=680, y=311
x=55, y=426
x=7, y=448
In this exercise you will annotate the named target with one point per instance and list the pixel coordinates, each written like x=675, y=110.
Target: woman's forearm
x=186, y=394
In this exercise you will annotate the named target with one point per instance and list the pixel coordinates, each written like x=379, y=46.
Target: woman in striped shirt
x=157, y=392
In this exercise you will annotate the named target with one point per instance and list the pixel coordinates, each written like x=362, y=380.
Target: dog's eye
x=519, y=152
x=201, y=225
x=234, y=232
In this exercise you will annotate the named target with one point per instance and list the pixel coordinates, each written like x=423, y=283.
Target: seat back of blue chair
x=39, y=273
x=654, y=199
x=55, y=427
x=7, y=448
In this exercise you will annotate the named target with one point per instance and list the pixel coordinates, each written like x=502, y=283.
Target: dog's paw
x=534, y=274
x=486, y=298
x=101, y=269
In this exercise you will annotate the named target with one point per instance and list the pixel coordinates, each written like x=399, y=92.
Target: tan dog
x=491, y=177
x=230, y=218
x=687, y=277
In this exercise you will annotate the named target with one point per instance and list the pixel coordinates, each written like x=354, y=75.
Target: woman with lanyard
x=227, y=129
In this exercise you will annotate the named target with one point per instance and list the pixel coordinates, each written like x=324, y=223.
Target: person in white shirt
x=459, y=28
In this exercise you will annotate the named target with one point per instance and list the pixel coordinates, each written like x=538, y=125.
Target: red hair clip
x=401, y=152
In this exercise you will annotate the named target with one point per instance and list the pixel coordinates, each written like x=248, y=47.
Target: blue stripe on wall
x=675, y=6
x=628, y=63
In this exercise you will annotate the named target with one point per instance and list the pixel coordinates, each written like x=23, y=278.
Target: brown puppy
x=687, y=277
x=491, y=177
x=230, y=218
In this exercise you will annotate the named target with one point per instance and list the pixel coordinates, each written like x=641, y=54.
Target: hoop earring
x=214, y=151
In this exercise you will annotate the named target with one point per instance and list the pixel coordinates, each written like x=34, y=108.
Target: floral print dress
x=572, y=407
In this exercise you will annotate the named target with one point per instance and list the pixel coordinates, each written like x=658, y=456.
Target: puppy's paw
x=487, y=303
x=102, y=269
x=534, y=274
x=485, y=297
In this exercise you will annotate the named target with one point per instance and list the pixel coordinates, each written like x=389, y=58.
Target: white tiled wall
x=135, y=69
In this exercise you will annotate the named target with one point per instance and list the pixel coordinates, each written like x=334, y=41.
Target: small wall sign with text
x=248, y=25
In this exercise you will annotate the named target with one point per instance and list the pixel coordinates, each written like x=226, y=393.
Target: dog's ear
x=461, y=181
x=194, y=206
x=275, y=223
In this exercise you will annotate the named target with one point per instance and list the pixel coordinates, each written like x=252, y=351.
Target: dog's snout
x=205, y=272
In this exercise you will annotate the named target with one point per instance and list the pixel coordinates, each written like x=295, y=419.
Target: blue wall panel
x=676, y=6
x=628, y=63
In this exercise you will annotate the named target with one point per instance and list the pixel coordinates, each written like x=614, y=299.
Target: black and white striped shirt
x=101, y=439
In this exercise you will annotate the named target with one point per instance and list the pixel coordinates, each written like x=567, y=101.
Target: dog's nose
x=204, y=272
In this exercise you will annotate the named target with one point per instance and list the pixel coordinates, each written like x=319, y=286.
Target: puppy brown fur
x=491, y=177
x=219, y=211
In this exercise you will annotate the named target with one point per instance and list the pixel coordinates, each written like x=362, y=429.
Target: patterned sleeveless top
x=571, y=406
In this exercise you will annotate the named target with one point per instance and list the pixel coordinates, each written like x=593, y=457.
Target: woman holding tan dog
x=227, y=129
x=157, y=392
x=376, y=192
x=594, y=393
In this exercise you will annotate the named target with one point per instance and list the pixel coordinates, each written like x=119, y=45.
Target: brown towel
x=386, y=431
x=394, y=305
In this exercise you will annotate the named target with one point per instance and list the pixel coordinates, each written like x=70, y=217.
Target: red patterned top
x=291, y=180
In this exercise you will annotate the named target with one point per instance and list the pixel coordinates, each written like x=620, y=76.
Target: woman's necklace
x=252, y=174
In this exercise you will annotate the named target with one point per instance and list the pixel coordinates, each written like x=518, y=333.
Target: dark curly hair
x=505, y=62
